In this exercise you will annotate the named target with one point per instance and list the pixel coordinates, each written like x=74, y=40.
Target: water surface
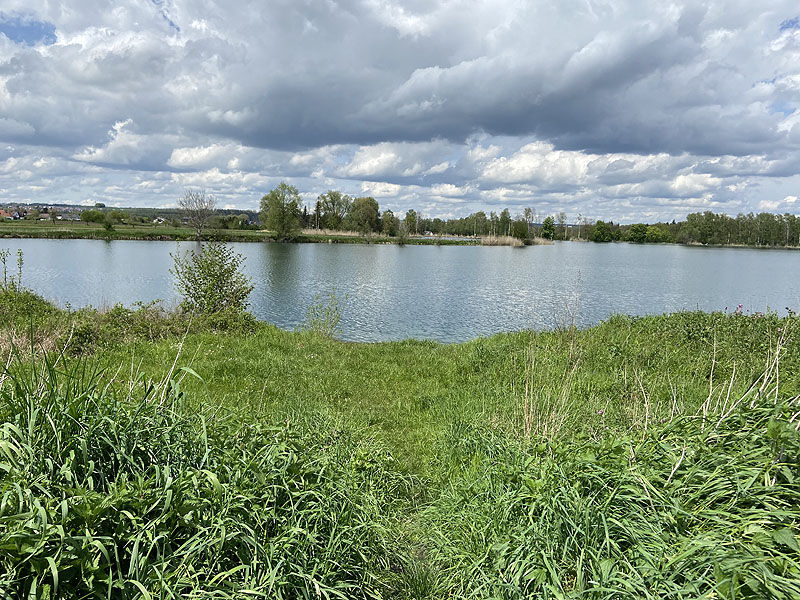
x=445, y=293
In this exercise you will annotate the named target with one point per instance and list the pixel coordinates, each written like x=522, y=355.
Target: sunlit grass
x=643, y=458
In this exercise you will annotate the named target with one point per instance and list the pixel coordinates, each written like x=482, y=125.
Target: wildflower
x=600, y=412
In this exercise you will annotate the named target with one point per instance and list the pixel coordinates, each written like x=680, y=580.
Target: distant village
x=41, y=212
x=131, y=216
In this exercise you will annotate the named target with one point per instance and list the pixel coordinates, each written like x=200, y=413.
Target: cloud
x=607, y=106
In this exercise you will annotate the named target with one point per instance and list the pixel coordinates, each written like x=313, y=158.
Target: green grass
x=81, y=230
x=651, y=457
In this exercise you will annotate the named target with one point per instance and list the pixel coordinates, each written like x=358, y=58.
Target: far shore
x=144, y=232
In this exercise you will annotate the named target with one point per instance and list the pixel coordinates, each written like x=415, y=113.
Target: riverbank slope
x=154, y=454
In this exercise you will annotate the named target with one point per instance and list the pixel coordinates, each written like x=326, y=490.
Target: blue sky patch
x=26, y=30
x=782, y=107
x=163, y=12
x=790, y=24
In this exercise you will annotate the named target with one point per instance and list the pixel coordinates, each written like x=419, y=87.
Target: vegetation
x=211, y=280
x=160, y=457
x=280, y=212
x=197, y=209
x=323, y=317
x=334, y=214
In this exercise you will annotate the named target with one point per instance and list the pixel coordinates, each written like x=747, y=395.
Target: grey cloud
x=649, y=102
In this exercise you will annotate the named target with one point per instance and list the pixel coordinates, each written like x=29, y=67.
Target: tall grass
x=119, y=489
x=501, y=240
x=650, y=457
x=702, y=505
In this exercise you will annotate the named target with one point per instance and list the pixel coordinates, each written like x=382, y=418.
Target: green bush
x=210, y=280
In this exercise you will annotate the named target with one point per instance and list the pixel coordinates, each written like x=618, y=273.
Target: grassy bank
x=148, y=456
x=93, y=231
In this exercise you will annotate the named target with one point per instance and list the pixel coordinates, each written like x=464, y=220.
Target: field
x=80, y=230
x=146, y=455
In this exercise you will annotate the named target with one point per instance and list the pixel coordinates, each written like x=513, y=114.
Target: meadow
x=122, y=231
x=146, y=454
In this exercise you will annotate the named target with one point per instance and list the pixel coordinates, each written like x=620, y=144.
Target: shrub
x=323, y=318
x=210, y=280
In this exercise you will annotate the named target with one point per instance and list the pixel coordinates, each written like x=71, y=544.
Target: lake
x=444, y=293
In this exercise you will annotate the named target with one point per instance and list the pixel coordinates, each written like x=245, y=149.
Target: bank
x=150, y=454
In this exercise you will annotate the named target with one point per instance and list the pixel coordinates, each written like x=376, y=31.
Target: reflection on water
x=445, y=293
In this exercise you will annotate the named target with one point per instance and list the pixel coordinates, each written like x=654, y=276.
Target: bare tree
x=198, y=209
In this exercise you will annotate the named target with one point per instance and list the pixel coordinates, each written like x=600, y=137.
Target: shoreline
x=261, y=236
x=227, y=236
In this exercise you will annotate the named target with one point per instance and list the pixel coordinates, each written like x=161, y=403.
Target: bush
x=323, y=318
x=210, y=281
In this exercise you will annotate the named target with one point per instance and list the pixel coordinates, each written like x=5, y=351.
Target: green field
x=80, y=230
x=147, y=455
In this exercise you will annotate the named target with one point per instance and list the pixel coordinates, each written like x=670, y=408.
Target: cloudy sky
x=617, y=109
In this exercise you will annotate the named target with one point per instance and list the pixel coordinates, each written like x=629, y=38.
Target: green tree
x=549, y=228
x=505, y=223
x=334, y=207
x=601, y=232
x=117, y=216
x=280, y=211
x=656, y=235
x=410, y=220
x=92, y=216
x=389, y=223
x=638, y=233
x=211, y=280
x=519, y=229
x=365, y=214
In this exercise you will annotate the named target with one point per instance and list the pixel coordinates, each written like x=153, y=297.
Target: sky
x=603, y=109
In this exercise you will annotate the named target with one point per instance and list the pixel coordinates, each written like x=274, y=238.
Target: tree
x=411, y=221
x=656, y=235
x=210, y=280
x=280, y=211
x=601, y=232
x=389, y=223
x=334, y=207
x=365, y=214
x=92, y=216
x=562, y=225
x=549, y=228
x=519, y=228
x=638, y=233
x=117, y=216
x=197, y=208
x=505, y=222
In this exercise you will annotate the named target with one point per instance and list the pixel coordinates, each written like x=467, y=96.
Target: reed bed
x=501, y=240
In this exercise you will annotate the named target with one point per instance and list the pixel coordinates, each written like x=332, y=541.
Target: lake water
x=445, y=293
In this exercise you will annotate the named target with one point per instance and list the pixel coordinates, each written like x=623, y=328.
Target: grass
x=80, y=230
x=650, y=457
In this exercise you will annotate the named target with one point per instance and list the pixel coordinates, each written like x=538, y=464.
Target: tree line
x=283, y=212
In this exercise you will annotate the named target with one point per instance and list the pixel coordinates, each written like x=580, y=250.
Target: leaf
x=142, y=589
x=192, y=372
x=786, y=537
